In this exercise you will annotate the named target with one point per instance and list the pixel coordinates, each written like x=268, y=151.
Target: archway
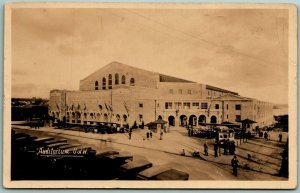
x=118, y=118
x=171, y=120
x=213, y=119
x=124, y=119
x=193, y=120
x=183, y=120
x=202, y=119
x=105, y=117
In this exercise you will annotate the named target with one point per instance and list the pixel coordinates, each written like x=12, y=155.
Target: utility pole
x=111, y=104
x=154, y=110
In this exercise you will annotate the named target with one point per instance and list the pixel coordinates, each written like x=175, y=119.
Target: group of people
x=149, y=134
x=228, y=146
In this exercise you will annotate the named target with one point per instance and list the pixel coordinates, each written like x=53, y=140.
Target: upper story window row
x=180, y=91
x=107, y=83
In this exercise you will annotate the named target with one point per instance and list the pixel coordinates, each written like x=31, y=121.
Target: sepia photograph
x=150, y=95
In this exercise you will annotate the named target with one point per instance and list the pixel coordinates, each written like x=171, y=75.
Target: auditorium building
x=122, y=94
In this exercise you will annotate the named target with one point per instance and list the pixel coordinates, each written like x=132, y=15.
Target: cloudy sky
x=241, y=50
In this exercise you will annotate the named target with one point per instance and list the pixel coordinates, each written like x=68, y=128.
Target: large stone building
x=123, y=94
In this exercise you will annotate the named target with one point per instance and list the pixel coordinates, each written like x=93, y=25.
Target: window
x=171, y=91
x=178, y=105
x=237, y=117
x=237, y=107
x=116, y=79
x=140, y=116
x=180, y=91
x=168, y=105
x=227, y=106
x=103, y=83
x=195, y=105
x=141, y=105
x=186, y=105
x=96, y=85
x=132, y=82
x=123, y=80
x=203, y=105
x=227, y=116
x=110, y=81
x=189, y=92
x=217, y=106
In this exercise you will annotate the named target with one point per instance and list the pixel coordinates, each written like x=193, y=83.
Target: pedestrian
x=130, y=135
x=225, y=148
x=161, y=134
x=205, y=149
x=234, y=164
x=280, y=137
x=148, y=134
x=233, y=148
x=269, y=136
x=216, y=149
x=266, y=136
x=189, y=131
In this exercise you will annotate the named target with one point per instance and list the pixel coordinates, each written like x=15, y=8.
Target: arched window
x=96, y=85
x=103, y=83
x=132, y=82
x=109, y=81
x=123, y=79
x=116, y=79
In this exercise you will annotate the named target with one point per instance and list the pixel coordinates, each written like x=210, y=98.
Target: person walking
x=148, y=135
x=161, y=134
x=205, y=149
x=216, y=149
x=130, y=132
x=234, y=164
x=266, y=136
x=280, y=137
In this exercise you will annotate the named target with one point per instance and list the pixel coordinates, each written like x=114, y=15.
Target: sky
x=245, y=51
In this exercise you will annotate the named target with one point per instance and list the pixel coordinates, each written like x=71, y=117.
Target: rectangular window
x=237, y=117
x=141, y=105
x=141, y=116
x=217, y=106
x=178, y=105
x=180, y=91
x=227, y=107
x=189, y=92
x=168, y=105
x=195, y=105
x=203, y=105
x=237, y=107
x=187, y=105
x=227, y=116
x=171, y=91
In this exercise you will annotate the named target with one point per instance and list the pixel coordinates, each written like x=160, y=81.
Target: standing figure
x=130, y=132
x=234, y=164
x=280, y=137
x=266, y=136
x=205, y=149
x=216, y=149
x=150, y=134
x=161, y=134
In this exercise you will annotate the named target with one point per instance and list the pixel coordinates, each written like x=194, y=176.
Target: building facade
x=121, y=94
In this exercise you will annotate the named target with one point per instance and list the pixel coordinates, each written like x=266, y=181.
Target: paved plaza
x=264, y=163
